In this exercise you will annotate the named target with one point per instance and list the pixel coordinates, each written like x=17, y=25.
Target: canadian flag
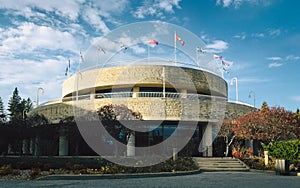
x=153, y=42
x=218, y=56
x=177, y=38
x=225, y=63
x=101, y=49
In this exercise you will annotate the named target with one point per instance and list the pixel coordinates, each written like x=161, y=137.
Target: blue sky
x=260, y=38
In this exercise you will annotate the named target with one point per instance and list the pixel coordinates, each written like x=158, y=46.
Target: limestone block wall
x=151, y=109
x=145, y=75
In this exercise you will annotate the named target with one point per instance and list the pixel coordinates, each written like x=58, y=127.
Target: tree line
x=17, y=108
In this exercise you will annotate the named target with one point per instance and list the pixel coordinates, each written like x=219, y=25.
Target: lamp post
x=24, y=113
x=234, y=79
x=37, y=95
x=252, y=93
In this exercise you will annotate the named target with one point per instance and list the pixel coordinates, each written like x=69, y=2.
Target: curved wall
x=145, y=75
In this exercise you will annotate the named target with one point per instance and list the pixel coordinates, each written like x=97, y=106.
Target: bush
x=5, y=170
x=284, y=150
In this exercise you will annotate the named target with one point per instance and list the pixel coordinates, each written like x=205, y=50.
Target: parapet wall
x=151, y=109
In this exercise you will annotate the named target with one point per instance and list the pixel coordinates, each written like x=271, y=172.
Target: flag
x=101, y=49
x=66, y=73
x=225, y=63
x=123, y=47
x=153, y=42
x=177, y=38
x=225, y=70
x=201, y=50
x=81, y=57
x=217, y=56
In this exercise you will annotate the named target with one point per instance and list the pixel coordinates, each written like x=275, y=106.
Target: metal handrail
x=172, y=95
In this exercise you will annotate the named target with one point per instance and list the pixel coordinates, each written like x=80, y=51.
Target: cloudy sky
x=260, y=38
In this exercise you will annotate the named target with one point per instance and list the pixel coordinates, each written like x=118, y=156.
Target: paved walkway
x=206, y=179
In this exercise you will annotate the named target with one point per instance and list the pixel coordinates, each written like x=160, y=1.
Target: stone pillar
x=207, y=141
x=135, y=92
x=32, y=150
x=63, y=143
x=9, y=149
x=183, y=93
x=25, y=147
x=37, y=144
x=266, y=154
x=131, y=145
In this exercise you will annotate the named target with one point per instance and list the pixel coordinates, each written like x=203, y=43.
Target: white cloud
x=292, y=58
x=111, y=7
x=258, y=35
x=217, y=46
x=274, y=32
x=93, y=17
x=238, y=3
x=28, y=75
x=156, y=8
x=241, y=36
x=69, y=9
x=271, y=65
x=28, y=37
x=274, y=58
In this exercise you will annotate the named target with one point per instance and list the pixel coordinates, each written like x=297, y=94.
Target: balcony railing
x=189, y=96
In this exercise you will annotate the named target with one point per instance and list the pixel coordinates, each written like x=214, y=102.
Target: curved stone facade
x=145, y=75
x=162, y=94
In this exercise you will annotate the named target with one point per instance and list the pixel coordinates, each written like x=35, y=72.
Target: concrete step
x=224, y=169
x=220, y=164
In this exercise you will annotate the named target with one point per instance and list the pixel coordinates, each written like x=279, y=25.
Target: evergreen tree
x=264, y=105
x=2, y=113
x=14, y=105
x=29, y=105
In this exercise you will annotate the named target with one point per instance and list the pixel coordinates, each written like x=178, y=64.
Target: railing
x=172, y=95
x=240, y=102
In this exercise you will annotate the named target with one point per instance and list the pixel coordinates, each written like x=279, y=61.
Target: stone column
x=37, y=144
x=135, y=92
x=131, y=145
x=183, y=93
x=32, y=149
x=63, y=143
x=207, y=141
x=25, y=147
x=266, y=154
x=9, y=149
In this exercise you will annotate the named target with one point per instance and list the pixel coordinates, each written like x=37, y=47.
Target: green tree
x=14, y=105
x=18, y=107
x=264, y=105
x=2, y=112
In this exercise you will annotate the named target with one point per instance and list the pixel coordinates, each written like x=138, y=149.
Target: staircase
x=220, y=164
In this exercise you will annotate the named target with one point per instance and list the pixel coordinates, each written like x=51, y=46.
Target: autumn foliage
x=267, y=125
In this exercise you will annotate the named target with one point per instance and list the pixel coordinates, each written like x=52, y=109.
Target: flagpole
x=69, y=68
x=164, y=83
x=197, y=58
x=175, y=48
x=148, y=53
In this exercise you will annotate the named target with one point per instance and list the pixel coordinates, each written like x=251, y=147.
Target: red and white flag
x=177, y=38
x=225, y=63
x=101, y=49
x=153, y=42
x=218, y=56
